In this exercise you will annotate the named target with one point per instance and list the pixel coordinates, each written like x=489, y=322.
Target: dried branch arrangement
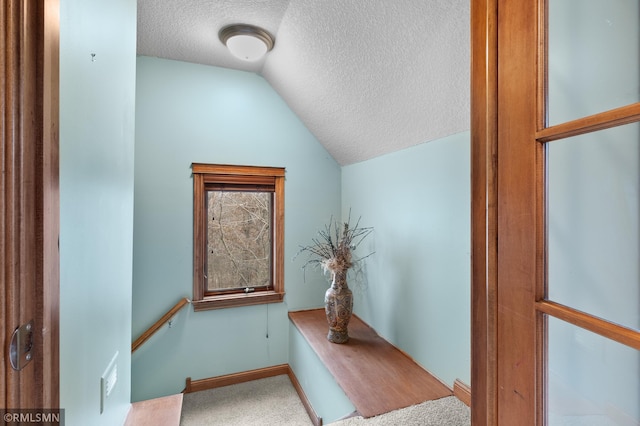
x=332, y=248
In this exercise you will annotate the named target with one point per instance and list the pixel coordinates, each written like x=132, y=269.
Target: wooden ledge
x=375, y=375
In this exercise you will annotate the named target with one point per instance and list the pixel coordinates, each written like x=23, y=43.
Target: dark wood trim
x=235, y=378
x=232, y=170
x=520, y=214
x=237, y=299
x=462, y=391
x=156, y=326
x=484, y=204
x=540, y=232
x=29, y=182
x=51, y=206
x=506, y=205
x=203, y=173
x=199, y=238
x=543, y=60
x=278, y=260
x=509, y=137
x=317, y=421
x=620, y=334
x=605, y=120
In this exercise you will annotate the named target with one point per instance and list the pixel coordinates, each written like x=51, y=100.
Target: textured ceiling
x=367, y=77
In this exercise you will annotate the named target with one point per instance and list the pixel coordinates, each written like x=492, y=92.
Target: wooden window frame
x=217, y=173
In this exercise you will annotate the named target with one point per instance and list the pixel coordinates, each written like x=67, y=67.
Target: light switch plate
x=108, y=381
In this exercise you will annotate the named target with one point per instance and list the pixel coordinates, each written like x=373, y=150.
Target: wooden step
x=165, y=411
x=375, y=375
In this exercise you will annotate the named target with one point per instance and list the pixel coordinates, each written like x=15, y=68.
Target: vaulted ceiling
x=367, y=77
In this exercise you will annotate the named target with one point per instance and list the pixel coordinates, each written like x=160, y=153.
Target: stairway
x=163, y=411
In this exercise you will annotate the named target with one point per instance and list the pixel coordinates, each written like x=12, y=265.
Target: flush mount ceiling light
x=246, y=42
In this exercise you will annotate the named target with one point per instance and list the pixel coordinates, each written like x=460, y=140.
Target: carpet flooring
x=449, y=411
x=274, y=401
x=270, y=401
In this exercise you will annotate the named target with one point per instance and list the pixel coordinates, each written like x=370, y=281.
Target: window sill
x=235, y=300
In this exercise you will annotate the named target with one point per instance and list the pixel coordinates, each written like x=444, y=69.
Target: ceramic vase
x=338, y=305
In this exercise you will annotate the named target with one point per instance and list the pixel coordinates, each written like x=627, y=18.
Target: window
x=238, y=235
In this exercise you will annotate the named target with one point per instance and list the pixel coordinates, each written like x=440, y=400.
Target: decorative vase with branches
x=332, y=251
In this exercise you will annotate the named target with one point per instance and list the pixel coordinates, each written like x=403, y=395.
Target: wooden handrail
x=156, y=326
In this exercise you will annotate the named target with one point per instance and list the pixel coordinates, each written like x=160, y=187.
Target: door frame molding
x=508, y=207
x=484, y=107
x=29, y=186
x=506, y=204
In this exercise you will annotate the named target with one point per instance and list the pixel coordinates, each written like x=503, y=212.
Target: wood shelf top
x=375, y=375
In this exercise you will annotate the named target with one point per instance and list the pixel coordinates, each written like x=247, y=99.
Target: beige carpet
x=270, y=401
x=274, y=401
x=449, y=411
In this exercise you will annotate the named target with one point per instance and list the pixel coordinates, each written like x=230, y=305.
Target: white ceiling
x=367, y=77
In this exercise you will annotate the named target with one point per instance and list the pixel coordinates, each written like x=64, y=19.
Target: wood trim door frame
x=509, y=137
x=484, y=78
x=507, y=204
x=29, y=216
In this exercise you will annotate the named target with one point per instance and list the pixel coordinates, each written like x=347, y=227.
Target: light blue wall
x=326, y=397
x=415, y=290
x=193, y=113
x=97, y=105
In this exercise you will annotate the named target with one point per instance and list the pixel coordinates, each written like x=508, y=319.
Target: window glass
x=593, y=218
x=592, y=380
x=594, y=57
x=239, y=240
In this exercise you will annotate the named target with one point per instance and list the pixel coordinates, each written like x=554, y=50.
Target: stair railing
x=156, y=326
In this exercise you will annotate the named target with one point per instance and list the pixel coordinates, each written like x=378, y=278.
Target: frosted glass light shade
x=246, y=47
x=246, y=42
